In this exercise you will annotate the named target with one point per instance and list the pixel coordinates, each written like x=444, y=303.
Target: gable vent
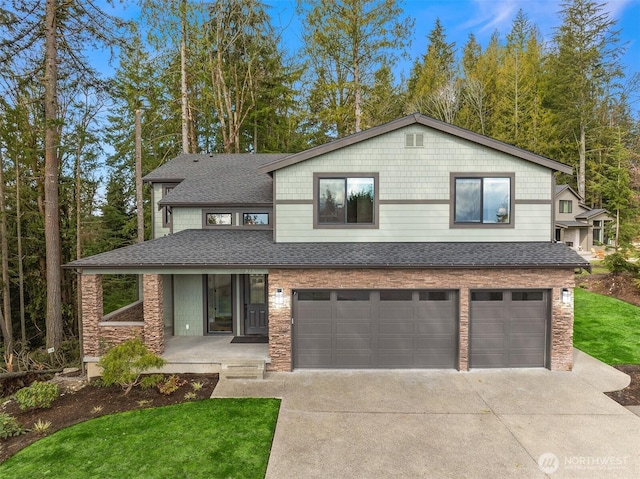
x=414, y=140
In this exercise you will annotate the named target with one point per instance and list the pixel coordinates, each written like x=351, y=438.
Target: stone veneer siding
x=130, y=312
x=153, y=313
x=98, y=334
x=92, y=310
x=280, y=338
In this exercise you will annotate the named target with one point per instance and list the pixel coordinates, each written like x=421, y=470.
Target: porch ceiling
x=207, y=249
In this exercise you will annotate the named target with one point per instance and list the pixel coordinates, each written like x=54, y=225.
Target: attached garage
x=509, y=329
x=375, y=329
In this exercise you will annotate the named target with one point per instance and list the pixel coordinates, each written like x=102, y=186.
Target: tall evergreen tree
x=346, y=43
x=433, y=86
x=584, y=67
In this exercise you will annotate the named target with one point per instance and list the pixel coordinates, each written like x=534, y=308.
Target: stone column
x=280, y=322
x=153, y=313
x=92, y=311
x=561, y=331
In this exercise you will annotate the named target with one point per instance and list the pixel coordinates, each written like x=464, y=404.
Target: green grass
x=597, y=267
x=606, y=328
x=215, y=438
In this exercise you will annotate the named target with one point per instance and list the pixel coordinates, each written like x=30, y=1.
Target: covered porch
x=162, y=315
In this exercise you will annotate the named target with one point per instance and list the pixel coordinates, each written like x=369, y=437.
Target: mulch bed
x=79, y=402
x=629, y=396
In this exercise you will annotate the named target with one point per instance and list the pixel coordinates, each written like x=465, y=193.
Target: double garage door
x=375, y=329
x=418, y=329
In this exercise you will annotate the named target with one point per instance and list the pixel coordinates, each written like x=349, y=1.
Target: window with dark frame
x=219, y=219
x=346, y=201
x=566, y=206
x=482, y=200
x=166, y=211
x=255, y=219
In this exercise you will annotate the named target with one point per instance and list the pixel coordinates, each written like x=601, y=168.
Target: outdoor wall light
x=566, y=296
x=279, y=298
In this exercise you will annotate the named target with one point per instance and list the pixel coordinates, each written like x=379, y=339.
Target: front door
x=255, y=295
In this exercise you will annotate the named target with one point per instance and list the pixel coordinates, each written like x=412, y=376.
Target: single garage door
x=375, y=329
x=509, y=329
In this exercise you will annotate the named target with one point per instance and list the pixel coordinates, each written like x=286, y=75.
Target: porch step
x=242, y=369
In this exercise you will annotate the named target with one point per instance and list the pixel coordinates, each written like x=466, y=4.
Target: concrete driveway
x=447, y=424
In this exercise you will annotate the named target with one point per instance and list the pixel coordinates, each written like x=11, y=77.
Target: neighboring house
x=415, y=244
x=577, y=225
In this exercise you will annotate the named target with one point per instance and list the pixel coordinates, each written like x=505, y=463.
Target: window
x=396, y=295
x=222, y=219
x=482, y=200
x=236, y=217
x=527, y=296
x=486, y=296
x=255, y=219
x=353, y=295
x=434, y=296
x=166, y=211
x=314, y=296
x=566, y=206
x=597, y=232
x=346, y=200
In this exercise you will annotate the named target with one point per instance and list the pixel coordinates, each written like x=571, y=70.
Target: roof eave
x=328, y=266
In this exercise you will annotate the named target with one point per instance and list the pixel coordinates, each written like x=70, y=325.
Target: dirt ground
x=621, y=286
x=79, y=401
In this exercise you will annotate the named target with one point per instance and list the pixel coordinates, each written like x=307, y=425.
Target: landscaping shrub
x=39, y=395
x=151, y=381
x=124, y=364
x=9, y=426
x=618, y=263
x=171, y=384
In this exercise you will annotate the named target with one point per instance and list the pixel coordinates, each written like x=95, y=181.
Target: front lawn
x=606, y=328
x=203, y=439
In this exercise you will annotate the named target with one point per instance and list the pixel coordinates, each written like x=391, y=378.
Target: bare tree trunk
x=357, y=97
x=139, y=200
x=79, y=243
x=23, y=323
x=51, y=177
x=583, y=161
x=7, y=332
x=183, y=77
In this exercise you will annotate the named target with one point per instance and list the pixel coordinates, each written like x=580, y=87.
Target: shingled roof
x=216, y=179
x=256, y=249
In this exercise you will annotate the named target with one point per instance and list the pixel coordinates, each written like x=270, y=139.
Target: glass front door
x=219, y=303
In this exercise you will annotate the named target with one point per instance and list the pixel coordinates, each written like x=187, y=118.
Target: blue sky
x=460, y=18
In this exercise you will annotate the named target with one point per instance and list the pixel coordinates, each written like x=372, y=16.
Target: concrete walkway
x=530, y=423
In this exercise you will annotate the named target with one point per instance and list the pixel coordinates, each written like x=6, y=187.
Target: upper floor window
x=255, y=219
x=566, y=206
x=482, y=200
x=166, y=211
x=346, y=200
x=236, y=217
x=215, y=219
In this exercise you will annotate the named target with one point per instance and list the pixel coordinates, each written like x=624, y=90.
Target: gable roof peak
x=415, y=118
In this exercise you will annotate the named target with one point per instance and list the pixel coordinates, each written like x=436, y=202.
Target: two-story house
x=415, y=244
x=577, y=225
